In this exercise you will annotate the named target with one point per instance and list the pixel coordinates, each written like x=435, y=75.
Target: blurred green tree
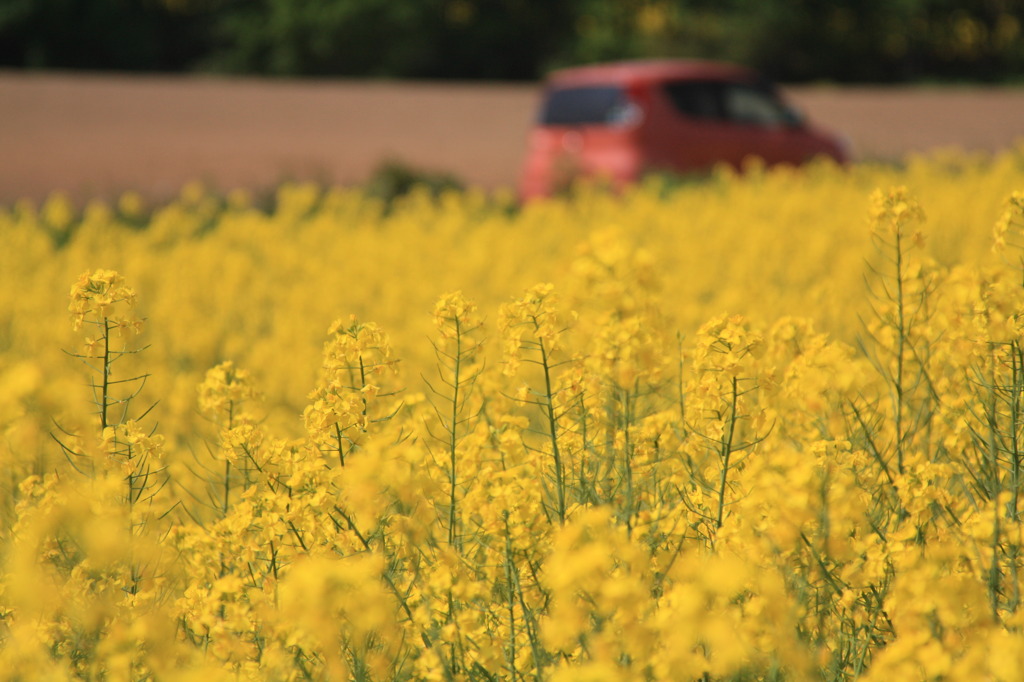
x=500, y=39
x=791, y=40
x=127, y=35
x=800, y=40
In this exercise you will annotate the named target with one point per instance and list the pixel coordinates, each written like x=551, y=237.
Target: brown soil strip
x=91, y=135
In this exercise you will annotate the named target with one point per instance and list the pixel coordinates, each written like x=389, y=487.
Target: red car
x=623, y=119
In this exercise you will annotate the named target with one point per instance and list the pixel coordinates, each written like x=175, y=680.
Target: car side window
x=696, y=99
x=753, y=105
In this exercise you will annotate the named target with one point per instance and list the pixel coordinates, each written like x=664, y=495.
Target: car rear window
x=583, y=105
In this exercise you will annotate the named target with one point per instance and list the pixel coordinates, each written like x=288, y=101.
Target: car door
x=762, y=124
x=688, y=129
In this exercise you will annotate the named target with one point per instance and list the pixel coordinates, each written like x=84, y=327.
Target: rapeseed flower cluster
x=669, y=434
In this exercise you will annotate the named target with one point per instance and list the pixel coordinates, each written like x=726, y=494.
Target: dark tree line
x=792, y=40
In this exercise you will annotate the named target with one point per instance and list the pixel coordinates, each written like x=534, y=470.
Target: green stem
x=511, y=602
x=994, y=577
x=552, y=431
x=726, y=453
x=341, y=444
x=105, y=381
x=452, y=432
x=627, y=461
x=1015, y=408
x=900, y=346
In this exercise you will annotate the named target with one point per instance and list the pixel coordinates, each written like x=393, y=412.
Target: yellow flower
x=101, y=297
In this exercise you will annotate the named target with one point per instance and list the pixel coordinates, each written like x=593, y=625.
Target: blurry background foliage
x=791, y=40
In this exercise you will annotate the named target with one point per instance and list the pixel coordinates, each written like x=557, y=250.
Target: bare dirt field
x=91, y=135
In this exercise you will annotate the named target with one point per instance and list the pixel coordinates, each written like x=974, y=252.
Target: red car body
x=624, y=119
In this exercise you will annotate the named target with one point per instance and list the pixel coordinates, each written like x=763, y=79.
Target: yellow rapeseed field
x=758, y=427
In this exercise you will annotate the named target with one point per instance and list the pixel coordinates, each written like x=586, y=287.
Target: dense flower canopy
x=758, y=427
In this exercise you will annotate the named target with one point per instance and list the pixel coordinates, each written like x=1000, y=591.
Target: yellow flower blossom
x=822, y=483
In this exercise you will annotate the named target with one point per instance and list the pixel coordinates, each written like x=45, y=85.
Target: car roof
x=649, y=70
